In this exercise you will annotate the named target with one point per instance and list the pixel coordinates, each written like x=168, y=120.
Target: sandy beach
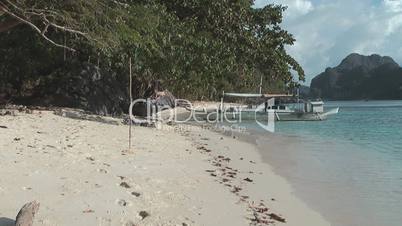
x=82, y=173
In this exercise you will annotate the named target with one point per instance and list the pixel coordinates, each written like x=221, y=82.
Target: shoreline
x=82, y=174
x=254, y=138
x=270, y=183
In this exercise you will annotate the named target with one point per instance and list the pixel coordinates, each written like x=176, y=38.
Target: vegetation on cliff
x=360, y=77
x=197, y=48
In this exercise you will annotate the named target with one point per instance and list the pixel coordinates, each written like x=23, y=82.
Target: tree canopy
x=197, y=48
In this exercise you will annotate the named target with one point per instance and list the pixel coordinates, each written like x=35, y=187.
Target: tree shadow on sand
x=6, y=221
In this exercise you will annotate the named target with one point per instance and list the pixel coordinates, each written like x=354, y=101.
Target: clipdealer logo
x=231, y=115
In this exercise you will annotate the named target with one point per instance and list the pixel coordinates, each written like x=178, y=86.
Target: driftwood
x=26, y=215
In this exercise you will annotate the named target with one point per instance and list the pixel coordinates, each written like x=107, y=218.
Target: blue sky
x=328, y=30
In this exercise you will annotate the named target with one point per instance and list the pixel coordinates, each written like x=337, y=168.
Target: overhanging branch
x=24, y=18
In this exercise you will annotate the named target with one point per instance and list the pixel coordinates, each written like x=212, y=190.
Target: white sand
x=75, y=168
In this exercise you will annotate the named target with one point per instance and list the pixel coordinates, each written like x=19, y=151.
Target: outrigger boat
x=269, y=103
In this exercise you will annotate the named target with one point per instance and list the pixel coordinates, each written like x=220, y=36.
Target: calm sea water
x=349, y=168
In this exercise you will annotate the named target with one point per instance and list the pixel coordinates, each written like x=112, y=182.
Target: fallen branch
x=27, y=213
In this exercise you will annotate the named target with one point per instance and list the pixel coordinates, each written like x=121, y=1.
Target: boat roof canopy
x=256, y=95
x=243, y=95
x=316, y=103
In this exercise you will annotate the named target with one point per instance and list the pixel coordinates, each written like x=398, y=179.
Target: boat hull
x=294, y=116
x=263, y=116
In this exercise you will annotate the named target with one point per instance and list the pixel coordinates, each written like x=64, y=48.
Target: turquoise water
x=349, y=168
x=376, y=125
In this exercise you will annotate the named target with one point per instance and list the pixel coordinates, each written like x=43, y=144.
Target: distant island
x=372, y=77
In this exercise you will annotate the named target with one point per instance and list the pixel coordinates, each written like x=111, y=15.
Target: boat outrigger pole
x=221, y=106
x=261, y=85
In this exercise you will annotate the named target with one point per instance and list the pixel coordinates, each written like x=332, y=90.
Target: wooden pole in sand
x=131, y=101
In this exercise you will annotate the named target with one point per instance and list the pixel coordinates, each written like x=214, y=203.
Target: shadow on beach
x=4, y=221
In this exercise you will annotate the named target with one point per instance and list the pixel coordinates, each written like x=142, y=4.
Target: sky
x=326, y=31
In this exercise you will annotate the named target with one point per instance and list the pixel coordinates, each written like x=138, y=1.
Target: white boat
x=305, y=111
x=302, y=111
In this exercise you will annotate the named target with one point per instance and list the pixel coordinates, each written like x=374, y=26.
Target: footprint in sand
x=121, y=202
x=136, y=194
x=143, y=214
x=91, y=159
x=125, y=185
x=102, y=171
x=129, y=223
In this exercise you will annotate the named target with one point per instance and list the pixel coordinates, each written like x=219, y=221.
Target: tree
x=197, y=48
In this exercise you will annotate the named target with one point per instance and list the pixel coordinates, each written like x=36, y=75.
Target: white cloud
x=295, y=7
x=328, y=30
x=394, y=24
x=393, y=5
x=298, y=7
